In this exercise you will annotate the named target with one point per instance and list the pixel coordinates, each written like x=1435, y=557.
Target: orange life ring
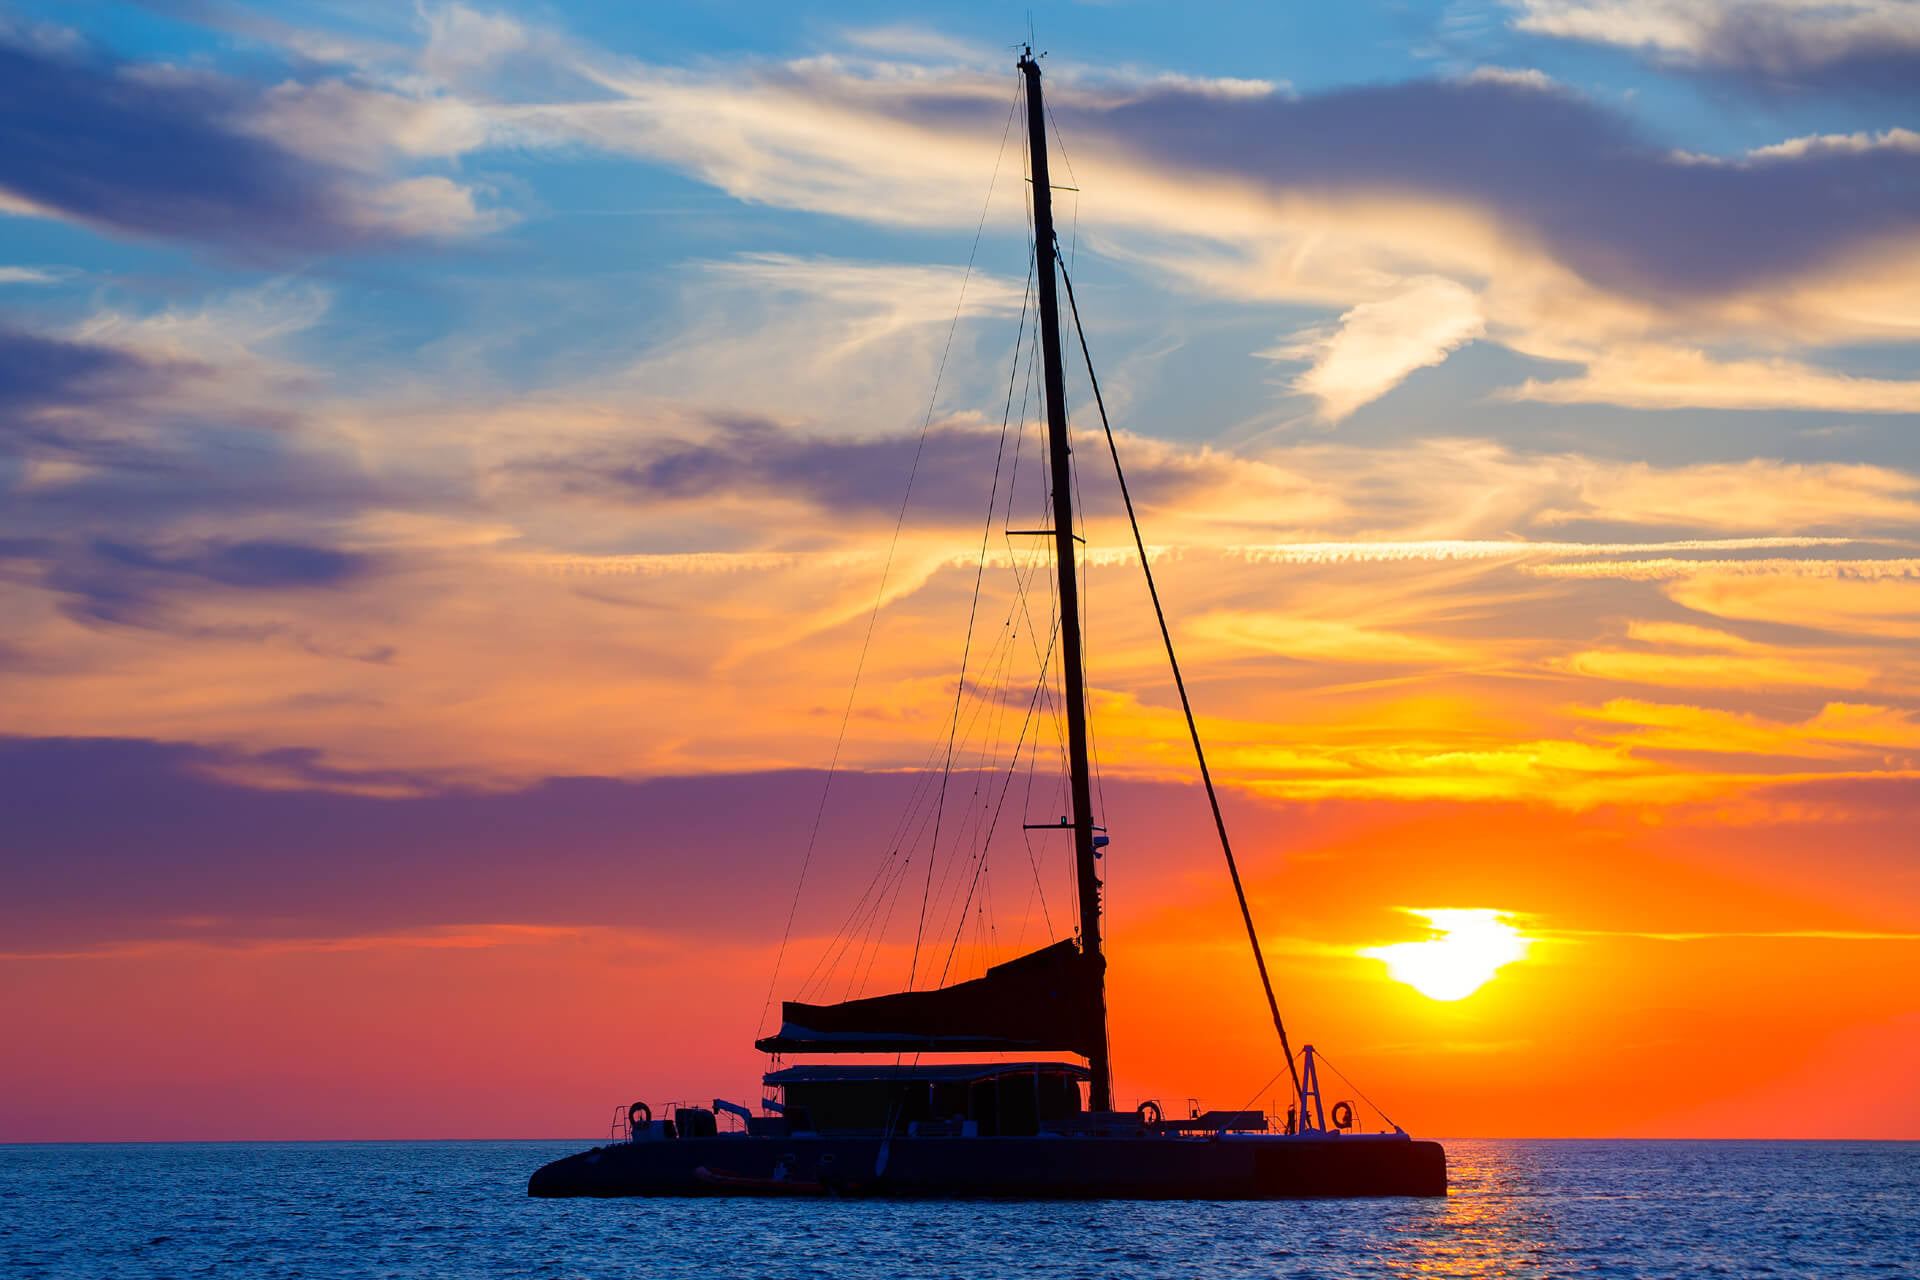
x=1343, y=1115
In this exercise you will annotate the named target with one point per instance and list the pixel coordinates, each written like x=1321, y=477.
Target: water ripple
x=422, y=1211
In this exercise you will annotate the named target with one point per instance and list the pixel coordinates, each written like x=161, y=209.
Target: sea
x=401, y=1210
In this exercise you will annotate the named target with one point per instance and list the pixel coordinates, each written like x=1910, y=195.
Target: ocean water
x=457, y=1209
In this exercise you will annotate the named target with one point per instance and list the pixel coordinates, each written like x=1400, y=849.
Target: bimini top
x=943, y=1072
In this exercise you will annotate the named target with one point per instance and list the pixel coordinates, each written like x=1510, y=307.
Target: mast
x=1100, y=1087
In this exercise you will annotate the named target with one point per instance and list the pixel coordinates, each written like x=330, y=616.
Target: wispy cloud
x=1492, y=549
x=1789, y=44
x=1377, y=344
x=1771, y=935
x=476, y=937
x=1662, y=569
x=1675, y=378
x=1382, y=204
x=30, y=275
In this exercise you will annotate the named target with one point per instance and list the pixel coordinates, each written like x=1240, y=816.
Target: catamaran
x=1034, y=1127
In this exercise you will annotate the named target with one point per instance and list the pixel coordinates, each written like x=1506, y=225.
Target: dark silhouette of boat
x=1007, y=1128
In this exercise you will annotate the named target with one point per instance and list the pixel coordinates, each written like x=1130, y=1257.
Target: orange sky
x=1688, y=976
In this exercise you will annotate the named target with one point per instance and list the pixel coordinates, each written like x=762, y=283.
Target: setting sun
x=1469, y=946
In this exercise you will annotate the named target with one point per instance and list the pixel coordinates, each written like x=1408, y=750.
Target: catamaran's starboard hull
x=1252, y=1167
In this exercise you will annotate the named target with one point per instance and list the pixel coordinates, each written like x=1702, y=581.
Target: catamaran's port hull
x=1249, y=1167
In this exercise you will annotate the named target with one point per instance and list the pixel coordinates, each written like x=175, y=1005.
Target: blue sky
x=576, y=256
x=377, y=287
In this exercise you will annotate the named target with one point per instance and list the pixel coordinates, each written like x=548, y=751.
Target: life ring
x=1343, y=1115
x=1149, y=1112
x=639, y=1114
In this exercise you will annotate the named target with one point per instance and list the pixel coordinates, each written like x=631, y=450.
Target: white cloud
x=29, y=275
x=858, y=344
x=1895, y=139
x=1524, y=77
x=1762, y=495
x=1377, y=344
x=1678, y=378
x=462, y=41
x=366, y=128
x=239, y=340
x=1768, y=36
x=430, y=206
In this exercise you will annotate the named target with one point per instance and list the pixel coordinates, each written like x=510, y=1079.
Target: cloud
x=30, y=275
x=1761, y=496
x=213, y=843
x=1770, y=935
x=273, y=578
x=1837, y=144
x=364, y=127
x=1837, y=730
x=1525, y=77
x=1503, y=548
x=861, y=344
x=133, y=416
x=1870, y=601
x=955, y=465
x=1678, y=378
x=1571, y=178
x=455, y=937
x=1377, y=344
x=38, y=371
x=155, y=151
x=62, y=399
x=1865, y=569
x=855, y=477
x=121, y=582
x=1779, y=44
x=1324, y=640
x=1782, y=668
x=242, y=564
x=1579, y=237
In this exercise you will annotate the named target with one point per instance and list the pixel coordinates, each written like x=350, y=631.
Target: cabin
x=964, y=1099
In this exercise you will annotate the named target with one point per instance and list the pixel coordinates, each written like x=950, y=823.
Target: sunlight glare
x=1469, y=946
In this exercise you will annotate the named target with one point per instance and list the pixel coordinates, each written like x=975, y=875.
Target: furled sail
x=1047, y=999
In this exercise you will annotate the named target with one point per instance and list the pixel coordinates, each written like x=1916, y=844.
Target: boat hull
x=1233, y=1167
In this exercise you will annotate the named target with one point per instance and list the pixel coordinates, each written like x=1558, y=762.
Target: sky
x=511, y=512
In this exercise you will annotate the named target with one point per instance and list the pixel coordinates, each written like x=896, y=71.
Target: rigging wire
x=1321, y=1059
x=980, y=863
x=1180, y=684
x=886, y=570
x=1086, y=616
x=1003, y=646
x=1248, y=1105
x=966, y=650
x=1060, y=141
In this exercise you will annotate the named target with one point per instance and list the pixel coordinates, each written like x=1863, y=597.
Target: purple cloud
x=850, y=475
x=117, y=581
x=1604, y=198
x=152, y=151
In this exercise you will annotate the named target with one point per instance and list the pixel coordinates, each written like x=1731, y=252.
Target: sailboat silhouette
x=1015, y=1128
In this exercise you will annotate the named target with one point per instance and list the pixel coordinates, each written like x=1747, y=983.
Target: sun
x=1469, y=946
